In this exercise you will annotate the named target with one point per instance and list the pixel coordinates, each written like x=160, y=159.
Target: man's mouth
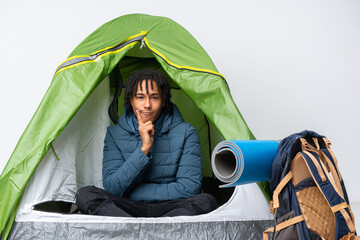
x=146, y=113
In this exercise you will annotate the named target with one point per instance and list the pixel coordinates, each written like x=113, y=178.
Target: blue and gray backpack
x=309, y=196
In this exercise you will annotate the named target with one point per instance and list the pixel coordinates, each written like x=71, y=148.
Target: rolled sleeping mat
x=237, y=162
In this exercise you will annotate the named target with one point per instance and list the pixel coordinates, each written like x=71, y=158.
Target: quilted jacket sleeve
x=120, y=174
x=188, y=176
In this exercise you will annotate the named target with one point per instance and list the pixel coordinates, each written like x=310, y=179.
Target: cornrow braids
x=151, y=76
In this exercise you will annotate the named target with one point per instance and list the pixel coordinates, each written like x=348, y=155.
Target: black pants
x=96, y=201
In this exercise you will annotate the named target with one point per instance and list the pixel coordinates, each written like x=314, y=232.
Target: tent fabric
x=221, y=229
x=134, y=38
x=231, y=221
x=79, y=150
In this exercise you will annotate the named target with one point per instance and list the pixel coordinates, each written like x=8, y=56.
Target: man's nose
x=147, y=103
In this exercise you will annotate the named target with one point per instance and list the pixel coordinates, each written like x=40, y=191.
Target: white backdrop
x=291, y=65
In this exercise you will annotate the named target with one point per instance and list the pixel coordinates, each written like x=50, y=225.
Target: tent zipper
x=92, y=57
x=142, y=43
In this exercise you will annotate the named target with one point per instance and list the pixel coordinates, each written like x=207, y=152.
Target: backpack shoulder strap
x=274, y=204
x=328, y=184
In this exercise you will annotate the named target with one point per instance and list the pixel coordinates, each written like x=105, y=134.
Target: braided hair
x=137, y=78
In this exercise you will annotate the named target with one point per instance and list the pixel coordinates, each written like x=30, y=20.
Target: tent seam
x=14, y=184
x=193, y=69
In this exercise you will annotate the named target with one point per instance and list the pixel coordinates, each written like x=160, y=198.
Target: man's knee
x=205, y=202
x=85, y=192
x=87, y=196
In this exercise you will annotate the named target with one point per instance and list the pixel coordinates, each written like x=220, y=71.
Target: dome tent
x=61, y=149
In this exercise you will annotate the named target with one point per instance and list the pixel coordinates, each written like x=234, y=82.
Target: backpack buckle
x=327, y=142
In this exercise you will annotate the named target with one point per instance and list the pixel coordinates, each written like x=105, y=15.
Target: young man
x=152, y=158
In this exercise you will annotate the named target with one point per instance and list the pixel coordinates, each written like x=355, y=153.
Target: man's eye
x=155, y=98
x=139, y=97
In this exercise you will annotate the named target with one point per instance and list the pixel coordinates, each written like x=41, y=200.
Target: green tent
x=121, y=46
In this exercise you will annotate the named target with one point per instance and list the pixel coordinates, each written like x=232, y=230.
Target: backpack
x=309, y=195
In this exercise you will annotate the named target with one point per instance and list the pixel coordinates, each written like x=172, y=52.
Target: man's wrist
x=146, y=150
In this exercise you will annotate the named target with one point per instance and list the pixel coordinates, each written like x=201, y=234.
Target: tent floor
x=139, y=229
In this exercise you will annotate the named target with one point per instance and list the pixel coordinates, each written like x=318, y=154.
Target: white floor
x=355, y=207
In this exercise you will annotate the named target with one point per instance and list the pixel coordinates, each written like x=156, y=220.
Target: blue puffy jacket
x=171, y=171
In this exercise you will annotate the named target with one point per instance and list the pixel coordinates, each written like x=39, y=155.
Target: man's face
x=149, y=104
